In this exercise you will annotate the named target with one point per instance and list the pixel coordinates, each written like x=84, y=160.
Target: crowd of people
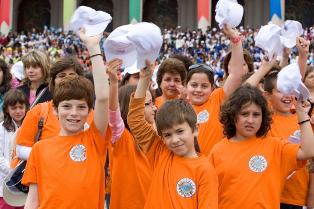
x=94, y=137
x=208, y=47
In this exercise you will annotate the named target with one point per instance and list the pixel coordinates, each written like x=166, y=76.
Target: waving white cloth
x=273, y=38
x=289, y=82
x=134, y=43
x=94, y=22
x=228, y=12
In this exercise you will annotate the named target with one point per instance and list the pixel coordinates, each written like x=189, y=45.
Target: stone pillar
x=187, y=13
x=120, y=13
x=56, y=13
x=256, y=13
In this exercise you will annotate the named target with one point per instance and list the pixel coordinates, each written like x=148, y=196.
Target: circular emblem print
x=186, y=187
x=78, y=153
x=258, y=163
x=202, y=116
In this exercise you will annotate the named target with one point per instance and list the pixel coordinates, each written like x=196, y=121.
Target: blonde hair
x=36, y=58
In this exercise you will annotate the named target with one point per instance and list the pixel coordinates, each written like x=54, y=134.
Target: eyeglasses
x=201, y=65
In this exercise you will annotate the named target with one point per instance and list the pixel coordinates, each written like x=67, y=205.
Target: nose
x=250, y=119
x=154, y=107
x=74, y=111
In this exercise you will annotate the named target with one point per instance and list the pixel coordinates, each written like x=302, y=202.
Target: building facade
x=23, y=15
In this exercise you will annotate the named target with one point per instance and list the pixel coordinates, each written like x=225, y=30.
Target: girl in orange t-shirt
x=130, y=170
x=206, y=100
x=248, y=160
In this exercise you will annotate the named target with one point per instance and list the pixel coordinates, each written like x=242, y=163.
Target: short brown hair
x=61, y=65
x=74, y=87
x=172, y=66
x=37, y=58
x=247, y=58
x=174, y=112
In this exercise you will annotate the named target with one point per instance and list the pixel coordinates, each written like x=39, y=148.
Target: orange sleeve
x=143, y=132
x=289, y=157
x=26, y=133
x=218, y=95
x=208, y=190
x=30, y=174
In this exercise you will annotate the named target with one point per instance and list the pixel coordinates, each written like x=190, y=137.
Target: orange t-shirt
x=130, y=173
x=250, y=172
x=69, y=170
x=210, y=129
x=296, y=186
x=26, y=133
x=180, y=182
x=159, y=101
x=176, y=182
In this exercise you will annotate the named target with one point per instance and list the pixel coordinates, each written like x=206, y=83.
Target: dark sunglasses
x=201, y=65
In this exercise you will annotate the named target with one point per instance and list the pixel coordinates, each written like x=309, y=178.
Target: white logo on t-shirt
x=78, y=153
x=186, y=187
x=202, y=116
x=258, y=163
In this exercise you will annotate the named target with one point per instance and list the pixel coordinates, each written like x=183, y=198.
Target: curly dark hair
x=244, y=95
x=7, y=77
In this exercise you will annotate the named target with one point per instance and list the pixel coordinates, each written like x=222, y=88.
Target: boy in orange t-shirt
x=182, y=177
x=68, y=171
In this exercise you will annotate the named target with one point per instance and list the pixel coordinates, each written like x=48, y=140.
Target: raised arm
x=303, y=48
x=258, y=75
x=235, y=67
x=101, y=84
x=306, y=150
x=115, y=120
x=284, y=61
x=143, y=132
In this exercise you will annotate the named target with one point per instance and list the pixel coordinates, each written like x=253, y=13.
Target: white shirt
x=6, y=148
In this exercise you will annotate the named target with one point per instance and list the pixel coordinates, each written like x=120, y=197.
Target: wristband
x=235, y=40
x=94, y=55
x=300, y=123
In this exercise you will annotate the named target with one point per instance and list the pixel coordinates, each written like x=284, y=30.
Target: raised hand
x=91, y=42
x=230, y=32
x=112, y=70
x=303, y=46
x=147, y=71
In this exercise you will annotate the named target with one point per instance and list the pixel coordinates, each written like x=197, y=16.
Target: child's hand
x=182, y=92
x=268, y=64
x=147, y=71
x=91, y=42
x=302, y=109
x=112, y=70
x=303, y=46
x=230, y=32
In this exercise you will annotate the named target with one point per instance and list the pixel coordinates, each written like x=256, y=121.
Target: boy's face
x=72, y=115
x=279, y=102
x=180, y=140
